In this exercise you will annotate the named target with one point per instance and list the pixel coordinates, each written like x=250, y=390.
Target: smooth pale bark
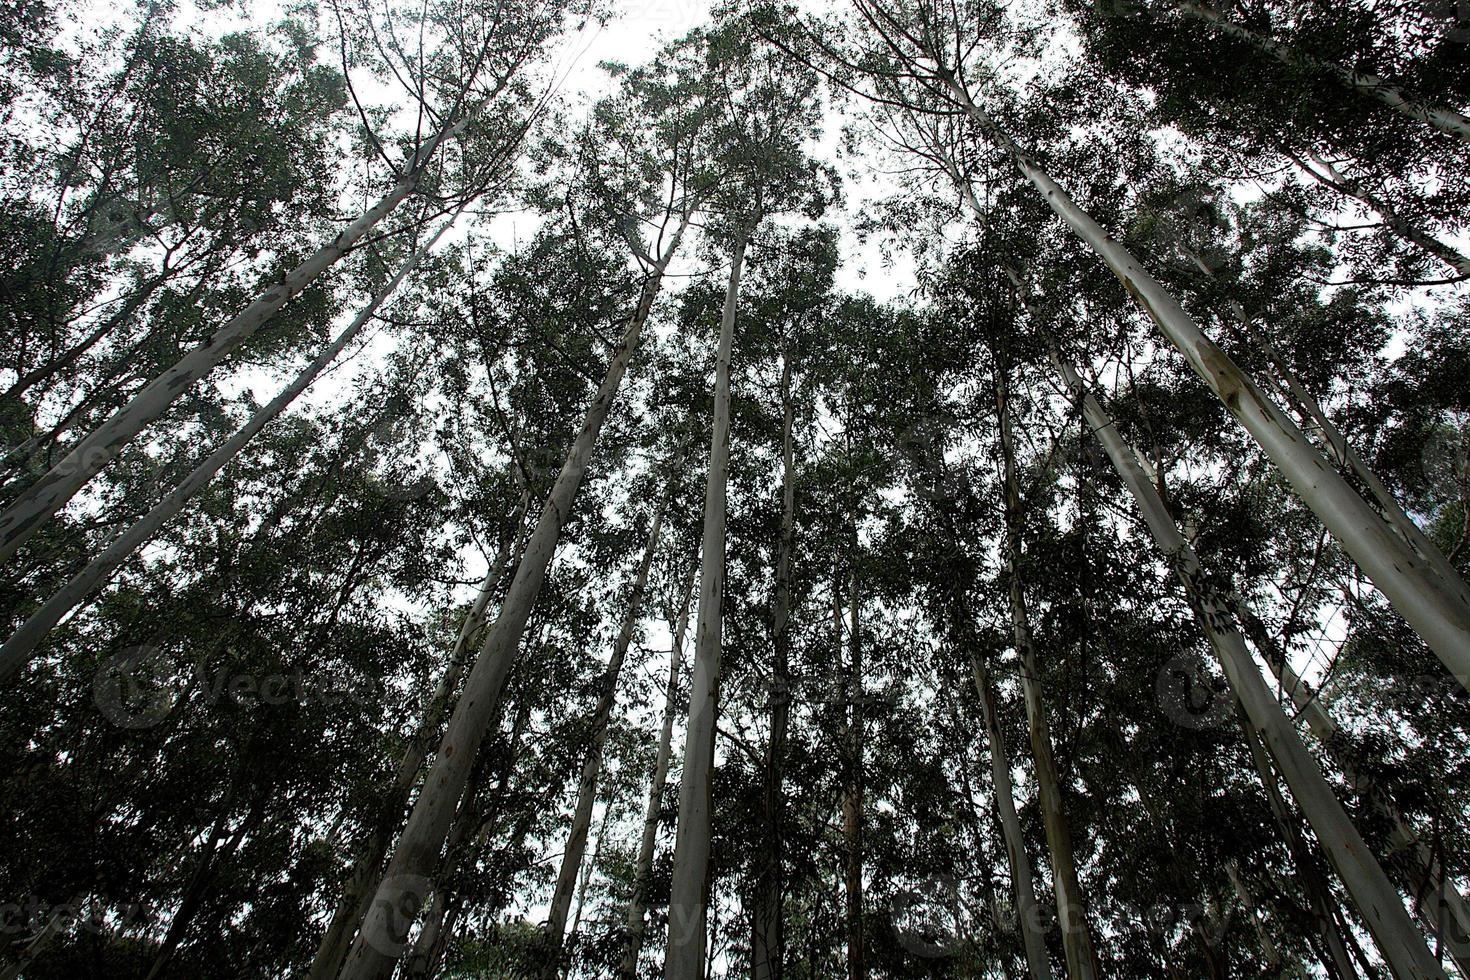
x=1071, y=903
x=1381, y=908
x=587, y=870
x=1329, y=176
x=1444, y=910
x=1258, y=921
x=47, y=495
x=22, y=644
x=684, y=957
x=1033, y=930
x=637, y=922
x=1347, y=456
x=1364, y=83
x=1336, y=963
x=380, y=941
x=852, y=797
x=1435, y=612
x=571, y=860
x=363, y=879
x=987, y=883
x=768, y=945
x=467, y=839
x=1308, y=408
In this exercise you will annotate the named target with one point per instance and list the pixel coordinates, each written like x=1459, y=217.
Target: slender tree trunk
x=571, y=861
x=1033, y=929
x=1071, y=904
x=1258, y=921
x=46, y=496
x=987, y=883
x=1438, y=614
x=193, y=893
x=1381, y=908
x=22, y=644
x=1348, y=457
x=1337, y=963
x=587, y=872
x=363, y=879
x=637, y=923
x=852, y=798
x=1329, y=176
x=768, y=946
x=1364, y=83
x=381, y=940
x=685, y=954
x=1445, y=913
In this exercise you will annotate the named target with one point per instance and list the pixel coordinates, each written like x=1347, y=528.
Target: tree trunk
x=1258, y=922
x=685, y=955
x=1440, y=615
x=1381, y=908
x=768, y=945
x=571, y=861
x=30, y=511
x=1330, y=176
x=1445, y=913
x=22, y=644
x=381, y=941
x=363, y=879
x=1337, y=964
x=1033, y=929
x=642, y=869
x=1071, y=904
x=1364, y=83
x=852, y=797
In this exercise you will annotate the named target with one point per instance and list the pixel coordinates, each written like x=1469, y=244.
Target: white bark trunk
x=1439, y=616
x=637, y=923
x=1364, y=83
x=684, y=959
x=22, y=644
x=1033, y=932
x=1381, y=908
x=381, y=941
x=1071, y=903
x=571, y=862
x=332, y=950
x=46, y=496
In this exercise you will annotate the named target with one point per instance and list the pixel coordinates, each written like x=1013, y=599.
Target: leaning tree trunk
x=1439, y=903
x=30, y=511
x=637, y=923
x=22, y=644
x=1330, y=176
x=571, y=861
x=1438, y=613
x=363, y=879
x=1071, y=904
x=1033, y=930
x=381, y=940
x=1310, y=410
x=684, y=959
x=1364, y=83
x=1269, y=950
x=1380, y=906
x=1337, y=964
x=768, y=946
